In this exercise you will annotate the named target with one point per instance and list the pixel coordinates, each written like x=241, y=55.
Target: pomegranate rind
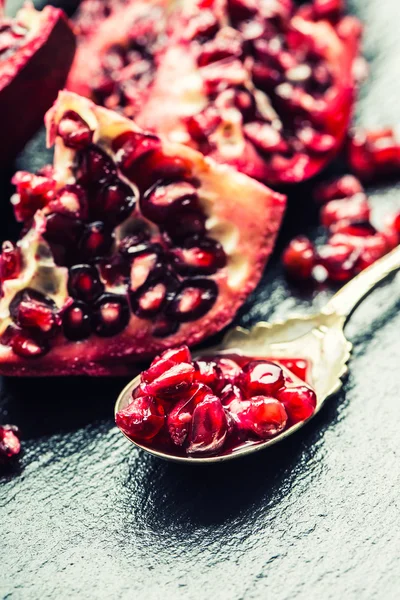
x=243, y=215
x=38, y=70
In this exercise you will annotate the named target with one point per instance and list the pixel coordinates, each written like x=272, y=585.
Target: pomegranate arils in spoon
x=261, y=377
x=142, y=419
x=214, y=406
x=10, y=445
x=299, y=402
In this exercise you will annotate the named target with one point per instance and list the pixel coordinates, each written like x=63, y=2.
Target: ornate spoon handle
x=347, y=299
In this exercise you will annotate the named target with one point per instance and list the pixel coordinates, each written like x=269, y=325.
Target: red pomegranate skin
x=37, y=70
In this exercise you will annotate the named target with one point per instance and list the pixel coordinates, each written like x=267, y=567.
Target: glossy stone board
x=88, y=516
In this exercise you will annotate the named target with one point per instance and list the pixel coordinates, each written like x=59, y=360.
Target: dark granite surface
x=88, y=516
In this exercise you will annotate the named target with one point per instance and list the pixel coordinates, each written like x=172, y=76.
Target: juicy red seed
x=231, y=393
x=265, y=137
x=70, y=200
x=344, y=187
x=10, y=445
x=115, y=202
x=209, y=427
x=180, y=417
x=262, y=377
x=26, y=346
x=178, y=355
x=96, y=240
x=339, y=261
x=315, y=142
x=352, y=209
x=63, y=234
x=134, y=244
x=146, y=265
x=131, y=146
x=84, y=283
x=142, y=419
x=374, y=153
x=164, y=200
x=207, y=372
x=230, y=372
x=32, y=310
x=110, y=315
x=299, y=258
x=77, y=323
x=34, y=192
x=10, y=261
x=172, y=382
x=156, y=369
x=203, y=124
x=265, y=416
x=114, y=270
x=199, y=257
x=193, y=299
x=189, y=224
x=74, y=131
x=153, y=296
x=94, y=166
x=225, y=45
x=299, y=402
x=203, y=26
x=241, y=10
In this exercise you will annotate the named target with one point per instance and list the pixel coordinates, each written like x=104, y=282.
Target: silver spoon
x=317, y=338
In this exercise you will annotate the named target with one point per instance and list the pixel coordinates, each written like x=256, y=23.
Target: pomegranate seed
x=115, y=202
x=161, y=202
x=145, y=265
x=74, y=131
x=96, y=240
x=151, y=298
x=339, y=260
x=372, y=154
x=84, y=283
x=194, y=298
x=299, y=258
x=189, y=224
x=299, y=402
x=111, y=315
x=135, y=244
x=31, y=310
x=241, y=10
x=77, y=323
x=142, y=419
x=315, y=142
x=178, y=355
x=172, y=382
x=26, y=346
x=265, y=416
x=230, y=394
x=230, y=371
x=199, y=256
x=202, y=27
x=264, y=137
x=63, y=234
x=10, y=261
x=180, y=418
x=10, y=445
x=71, y=201
x=207, y=372
x=262, y=377
x=168, y=359
x=33, y=193
x=131, y=146
x=95, y=167
x=209, y=427
x=349, y=210
x=203, y=124
x=344, y=187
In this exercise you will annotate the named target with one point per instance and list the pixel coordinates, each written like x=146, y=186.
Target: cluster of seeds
x=213, y=406
x=163, y=261
x=353, y=243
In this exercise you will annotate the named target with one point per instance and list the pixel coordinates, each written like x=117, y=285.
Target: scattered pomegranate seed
x=343, y=187
x=339, y=261
x=372, y=154
x=10, y=445
x=299, y=258
x=350, y=210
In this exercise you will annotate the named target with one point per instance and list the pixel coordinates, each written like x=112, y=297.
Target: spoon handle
x=347, y=299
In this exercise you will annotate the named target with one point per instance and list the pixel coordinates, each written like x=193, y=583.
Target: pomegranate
x=10, y=445
x=261, y=400
x=117, y=49
x=299, y=258
x=36, y=52
x=373, y=154
x=264, y=87
x=101, y=277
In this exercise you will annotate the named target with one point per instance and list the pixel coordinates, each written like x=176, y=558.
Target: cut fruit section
x=109, y=270
x=266, y=88
x=115, y=60
x=36, y=52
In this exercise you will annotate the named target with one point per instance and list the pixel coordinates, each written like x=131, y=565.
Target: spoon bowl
x=319, y=339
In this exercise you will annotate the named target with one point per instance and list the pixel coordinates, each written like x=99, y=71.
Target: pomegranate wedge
x=36, y=52
x=132, y=245
x=265, y=87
